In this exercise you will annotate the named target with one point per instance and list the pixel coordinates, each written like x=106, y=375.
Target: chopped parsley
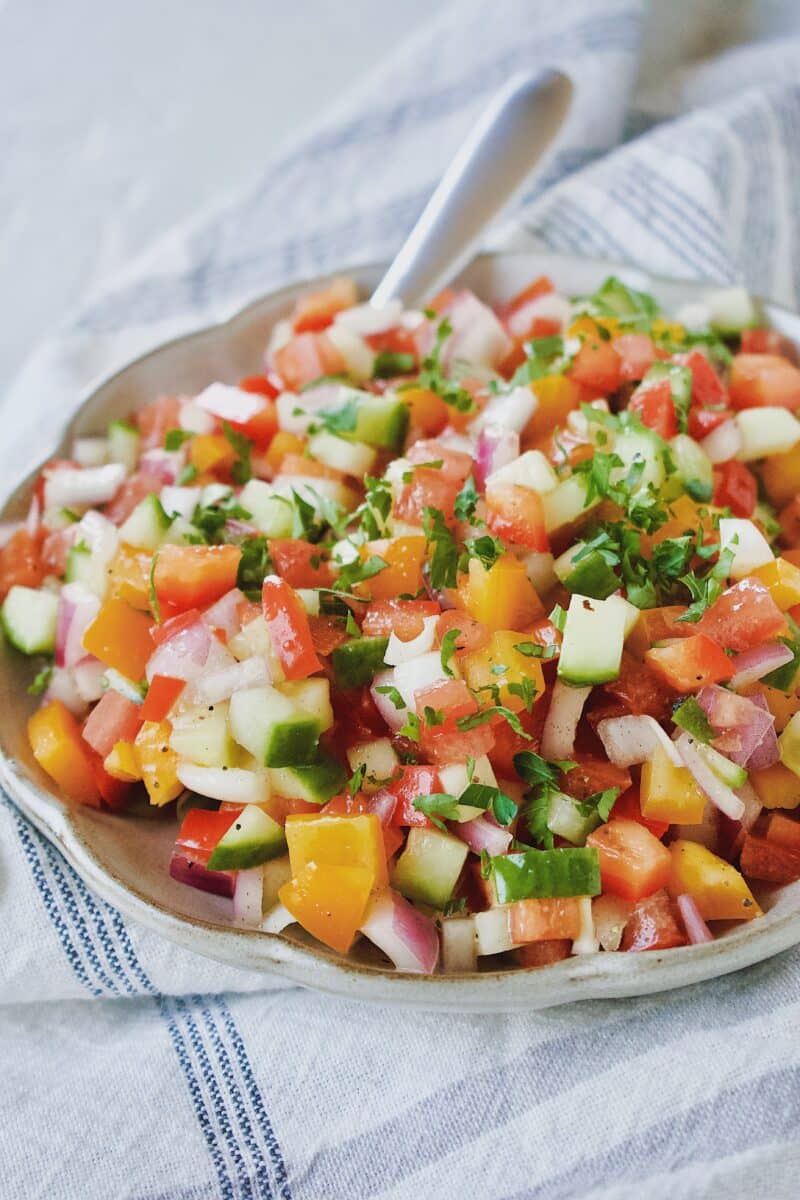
x=41, y=680
x=443, y=564
x=393, y=695
x=254, y=565
x=392, y=362
x=433, y=378
x=174, y=438
x=448, y=649
x=466, y=500
x=690, y=716
x=241, y=470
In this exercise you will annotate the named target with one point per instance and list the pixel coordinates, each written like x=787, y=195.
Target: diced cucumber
x=531, y=470
x=565, y=504
x=767, y=430
x=429, y=867
x=359, y=358
x=747, y=544
x=315, y=783
x=313, y=696
x=629, y=612
x=729, y=772
x=146, y=525
x=29, y=619
x=566, y=820
x=693, y=469
x=124, y=443
x=353, y=458
x=540, y=874
x=277, y=872
x=380, y=421
x=201, y=735
x=594, y=633
x=635, y=447
x=253, y=838
x=731, y=310
x=592, y=576
x=357, y=662
x=271, y=514
x=273, y=727
x=180, y=532
x=80, y=568
x=378, y=760
x=215, y=493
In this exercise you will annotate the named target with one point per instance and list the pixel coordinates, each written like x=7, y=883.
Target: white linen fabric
x=132, y=1068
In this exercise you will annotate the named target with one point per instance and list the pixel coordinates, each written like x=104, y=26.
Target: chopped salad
x=470, y=631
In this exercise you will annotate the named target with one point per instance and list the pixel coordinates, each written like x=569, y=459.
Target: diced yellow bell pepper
x=157, y=763
x=403, y=575
x=717, y=888
x=211, y=452
x=781, y=476
x=59, y=749
x=329, y=902
x=586, y=326
x=669, y=793
x=121, y=763
x=337, y=841
x=481, y=669
x=782, y=705
x=501, y=597
x=776, y=786
x=684, y=514
x=120, y=637
x=668, y=329
x=783, y=580
x=129, y=577
x=557, y=396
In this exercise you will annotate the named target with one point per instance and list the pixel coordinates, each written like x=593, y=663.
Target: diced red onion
x=224, y=613
x=34, y=515
x=89, y=677
x=183, y=656
x=718, y=792
x=696, y=929
x=634, y=739
x=220, y=883
x=62, y=687
x=403, y=933
x=754, y=664
x=495, y=449
x=766, y=753
x=8, y=529
x=366, y=319
x=739, y=724
x=394, y=717
x=180, y=501
x=213, y=686
x=481, y=834
x=78, y=487
x=478, y=337
x=723, y=443
x=398, y=652
x=229, y=403
x=77, y=608
x=508, y=411
x=458, y=945
x=561, y=723
x=165, y=465
x=248, y=890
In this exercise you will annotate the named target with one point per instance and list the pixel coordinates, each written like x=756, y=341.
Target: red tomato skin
x=259, y=385
x=445, y=742
x=305, y=358
x=174, y=625
x=113, y=719
x=289, y=630
x=768, y=341
x=193, y=576
x=736, y=487
x=401, y=617
x=628, y=804
x=20, y=563
x=653, y=402
x=161, y=695
x=703, y=421
x=154, y=420
x=135, y=488
x=633, y=863
x=690, y=663
x=201, y=830
x=413, y=782
x=472, y=635
x=456, y=465
x=764, y=379
x=745, y=615
x=708, y=390
x=597, y=365
x=427, y=488
x=294, y=560
x=636, y=354
x=516, y=514
x=652, y=926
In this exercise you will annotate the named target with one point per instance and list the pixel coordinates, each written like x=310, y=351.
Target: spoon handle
x=491, y=165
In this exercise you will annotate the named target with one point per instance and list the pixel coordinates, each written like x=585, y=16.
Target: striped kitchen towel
x=131, y=1068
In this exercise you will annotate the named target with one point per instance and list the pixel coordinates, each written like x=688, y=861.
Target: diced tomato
x=597, y=365
x=654, y=404
x=507, y=742
x=174, y=625
x=55, y=550
x=639, y=690
x=516, y=514
x=327, y=634
x=764, y=379
x=154, y=421
x=411, y=783
x=401, y=617
x=397, y=340
x=20, y=563
x=593, y=775
x=690, y=663
x=301, y=564
x=298, y=464
x=444, y=742
x=306, y=357
x=132, y=492
x=456, y=465
x=261, y=427
x=316, y=311
x=545, y=920
x=161, y=695
x=708, y=390
x=544, y=633
x=472, y=635
x=289, y=630
x=636, y=354
x=427, y=488
x=113, y=719
x=745, y=615
x=736, y=487
x=783, y=830
x=516, y=312
x=115, y=792
x=542, y=954
x=259, y=385
x=356, y=719
x=768, y=341
x=193, y=576
x=633, y=863
x=769, y=861
x=789, y=518
x=201, y=830
x=629, y=805
x=703, y=421
x=652, y=925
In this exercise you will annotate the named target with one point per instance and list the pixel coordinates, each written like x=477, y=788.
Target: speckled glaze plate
x=126, y=860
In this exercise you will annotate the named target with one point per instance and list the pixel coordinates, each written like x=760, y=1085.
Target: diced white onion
x=79, y=487
x=366, y=319
x=586, y=942
x=233, y=785
x=561, y=723
x=720, y=795
x=229, y=403
x=634, y=739
x=90, y=451
x=723, y=443
x=180, y=501
x=276, y=920
x=398, y=652
x=458, y=945
x=193, y=419
x=248, y=891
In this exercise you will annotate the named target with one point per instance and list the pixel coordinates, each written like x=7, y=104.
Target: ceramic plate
x=126, y=861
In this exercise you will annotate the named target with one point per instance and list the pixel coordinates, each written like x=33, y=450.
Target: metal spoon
x=490, y=167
